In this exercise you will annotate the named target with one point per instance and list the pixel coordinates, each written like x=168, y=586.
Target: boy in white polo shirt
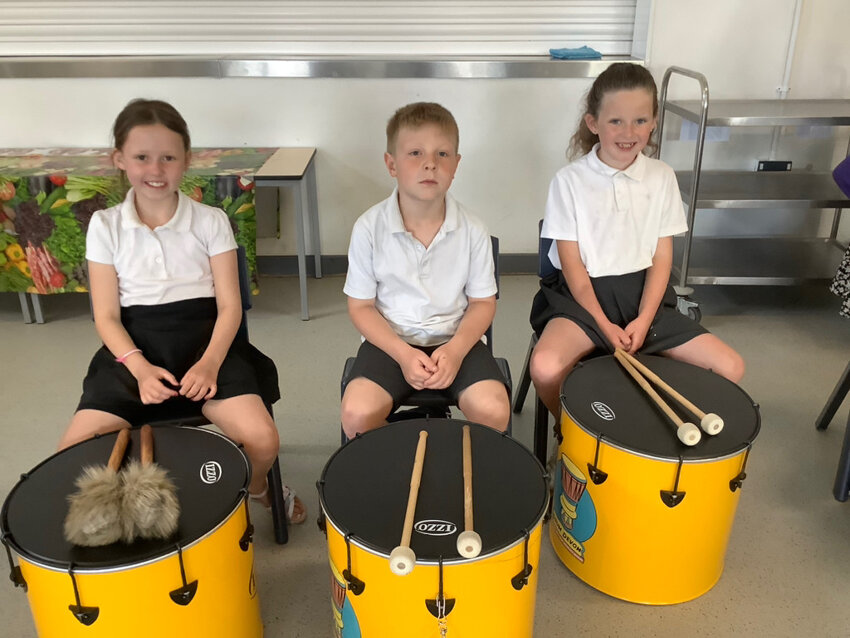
x=420, y=285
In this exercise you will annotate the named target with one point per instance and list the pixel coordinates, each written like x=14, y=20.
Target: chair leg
x=834, y=401
x=525, y=379
x=281, y=533
x=541, y=432
x=842, y=475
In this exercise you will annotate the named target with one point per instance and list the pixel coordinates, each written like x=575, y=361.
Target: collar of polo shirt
x=635, y=170
x=180, y=222
x=397, y=222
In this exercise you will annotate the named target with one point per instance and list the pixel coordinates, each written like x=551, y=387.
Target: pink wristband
x=124, y=356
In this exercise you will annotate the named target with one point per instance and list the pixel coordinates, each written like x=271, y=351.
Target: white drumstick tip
x=402, y=560
x=711, y=424
x=688, y=434
x=468, y=544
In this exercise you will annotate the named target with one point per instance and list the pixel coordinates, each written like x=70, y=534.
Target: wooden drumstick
x=688, y=433
x=402, y=558
x=468, y=542
x=710, y=423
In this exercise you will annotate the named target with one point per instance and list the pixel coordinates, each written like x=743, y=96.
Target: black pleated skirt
x=174, y=336
x=619, y=297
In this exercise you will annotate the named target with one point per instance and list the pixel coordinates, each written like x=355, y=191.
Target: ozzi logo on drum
x=210, y=472
x=435, y=528
x=603, y=411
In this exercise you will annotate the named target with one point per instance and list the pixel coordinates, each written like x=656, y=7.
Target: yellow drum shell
x=134, y=601
x=486, y=603
x=642, y=550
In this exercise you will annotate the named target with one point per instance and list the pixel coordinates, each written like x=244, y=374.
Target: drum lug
x=738, y=481
x=521, y=579
x=671, y=498
x=183, y=595
x=596, y=475
x=248, y=536
x=86, y=615
x=15, y=573
x=440, y=607
x=352, y=583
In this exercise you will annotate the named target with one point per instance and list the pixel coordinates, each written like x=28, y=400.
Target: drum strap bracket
x=738, y=482
x=15, y=574
x=353, y=584
x=183, y=595
x=247, y=537
x=596, y=475
x=671, y=498
x=521, y=579
x=440, y=607
x=86, y=615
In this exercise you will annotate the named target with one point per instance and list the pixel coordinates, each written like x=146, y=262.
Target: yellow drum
x=363, y=493
x=637, y=514
x=200, y=582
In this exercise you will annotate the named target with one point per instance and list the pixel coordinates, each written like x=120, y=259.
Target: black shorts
x=376, y=365
x=619, y=296
x=174, y=336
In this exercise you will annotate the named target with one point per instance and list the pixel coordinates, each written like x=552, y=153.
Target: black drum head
x=208, y=470
x=601, y=397
x=365, y=486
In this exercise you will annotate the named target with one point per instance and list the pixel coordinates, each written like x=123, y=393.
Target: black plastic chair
x=841, y=488
x=541, y=412
x=435, y=403
x=191, y=415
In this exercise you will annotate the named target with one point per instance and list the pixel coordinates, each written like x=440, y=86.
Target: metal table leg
x=300, y=244
x=25, y=307
x=313, y=203
x=36, y=306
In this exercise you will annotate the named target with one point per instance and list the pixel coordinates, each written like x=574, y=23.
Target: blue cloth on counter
x=579, y=53
x=841, y=175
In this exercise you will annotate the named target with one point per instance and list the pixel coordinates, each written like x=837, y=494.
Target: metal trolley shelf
x=774, y=260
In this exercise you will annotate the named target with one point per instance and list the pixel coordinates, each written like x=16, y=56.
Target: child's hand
x=152, y=390
x=616, y=336
x=199, y=383
x=636, y=330
x=417, y=368
x=447, y=363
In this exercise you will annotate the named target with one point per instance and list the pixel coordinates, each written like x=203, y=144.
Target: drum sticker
x=346, y=624
x=210, y=472
x=574, y=513
x=435, y=528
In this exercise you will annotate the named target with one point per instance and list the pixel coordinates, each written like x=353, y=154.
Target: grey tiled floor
x=788, y=564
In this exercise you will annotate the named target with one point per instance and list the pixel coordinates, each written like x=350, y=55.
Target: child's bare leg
x=486, y=402
x=246, y=420
x=561, y=346
x=709, y=352
x=365, y=406
x=86, y=423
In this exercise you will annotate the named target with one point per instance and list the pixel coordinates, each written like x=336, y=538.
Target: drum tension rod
x=183, y=595
x=320, y=521
x=440, y=607
x=738, y=482
x=672, y=498
x=86, y=615
x=354, y=584
x=521, y=579
x=248, y=536
x=596, y=475
x=15, y=573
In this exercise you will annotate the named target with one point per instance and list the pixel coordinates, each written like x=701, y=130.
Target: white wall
x=513, y=132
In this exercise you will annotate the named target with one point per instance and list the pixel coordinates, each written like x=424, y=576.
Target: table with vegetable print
x=47, y=197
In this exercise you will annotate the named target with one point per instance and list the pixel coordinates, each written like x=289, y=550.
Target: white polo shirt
x=169, y=263
x=421, y=292
x=615, y=216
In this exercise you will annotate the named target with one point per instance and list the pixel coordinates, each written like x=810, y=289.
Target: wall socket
x=773, y=165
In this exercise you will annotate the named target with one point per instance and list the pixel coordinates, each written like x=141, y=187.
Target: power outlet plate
x=773, y=166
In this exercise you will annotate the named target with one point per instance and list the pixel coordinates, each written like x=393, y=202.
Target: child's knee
x=733, y=367
x=547, y=367
x=359, y=416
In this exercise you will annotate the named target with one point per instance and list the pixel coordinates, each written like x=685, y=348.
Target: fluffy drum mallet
x=150, y=505
x=95, y=512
